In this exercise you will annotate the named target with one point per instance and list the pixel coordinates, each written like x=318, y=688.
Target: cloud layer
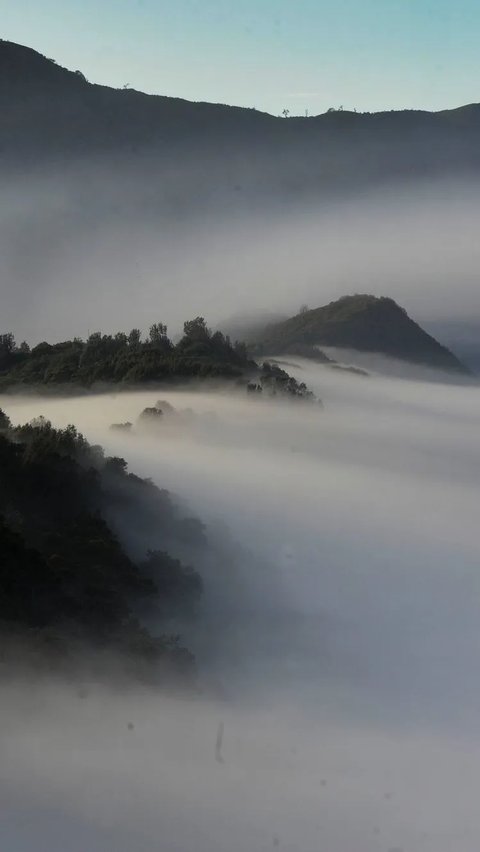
x=341, y=633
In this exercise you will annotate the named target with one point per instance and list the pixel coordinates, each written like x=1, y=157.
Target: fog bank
x=225, y=253
x=337, y=642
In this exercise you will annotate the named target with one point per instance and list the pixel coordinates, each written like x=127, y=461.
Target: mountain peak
x=363, y=302
x=366, y=323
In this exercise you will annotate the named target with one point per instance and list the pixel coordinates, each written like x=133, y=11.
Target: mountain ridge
x=21, y=60
x=49, y=112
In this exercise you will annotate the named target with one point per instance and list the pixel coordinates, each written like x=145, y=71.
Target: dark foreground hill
x=70, y=593
x=365, y=323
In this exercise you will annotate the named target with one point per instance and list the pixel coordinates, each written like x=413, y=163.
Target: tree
x=178, y=585
x=24, y=347
x=157, y=333
x=7, y=343
x=196, y=329
x=134, y=338
x=94, y=338
x=42, y=348
x=120, y=339
x=7, y=349
x=285, y=113
x=4, y=422
x=240, y=349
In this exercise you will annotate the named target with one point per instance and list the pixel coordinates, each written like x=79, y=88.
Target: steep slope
x=68, y=586
x=49, y=111
x=366, y=323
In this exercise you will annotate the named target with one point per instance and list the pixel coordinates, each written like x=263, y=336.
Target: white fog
x=342, y=671
x=164, y=254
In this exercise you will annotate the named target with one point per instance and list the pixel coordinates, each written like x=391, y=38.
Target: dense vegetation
x=273, y=381
x=362, y=322
x=126, y=358
x=66, y=579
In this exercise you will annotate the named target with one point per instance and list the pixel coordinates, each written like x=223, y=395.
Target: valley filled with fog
x=337, y=640
x=239, y=431
x=183, y=240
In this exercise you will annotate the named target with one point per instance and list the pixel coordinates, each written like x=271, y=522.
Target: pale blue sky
x=271, y=54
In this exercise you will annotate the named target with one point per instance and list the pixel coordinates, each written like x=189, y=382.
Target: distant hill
x=51, y=114
x=365, y=323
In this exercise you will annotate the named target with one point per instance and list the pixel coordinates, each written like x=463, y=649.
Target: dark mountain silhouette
x=51, y=114
x=365, y=323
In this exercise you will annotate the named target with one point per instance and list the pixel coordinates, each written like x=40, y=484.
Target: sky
x=269, y=54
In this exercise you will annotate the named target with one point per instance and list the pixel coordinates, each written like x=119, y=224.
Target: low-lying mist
x=233, y=251
x=337, y=644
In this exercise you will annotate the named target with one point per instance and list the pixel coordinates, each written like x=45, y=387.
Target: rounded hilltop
x=366, y=323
